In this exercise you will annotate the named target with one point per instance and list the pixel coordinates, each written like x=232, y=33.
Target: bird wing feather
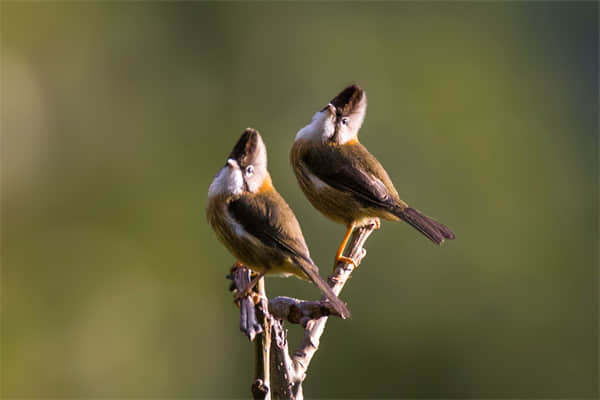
x=352, y=169
x=270, y=220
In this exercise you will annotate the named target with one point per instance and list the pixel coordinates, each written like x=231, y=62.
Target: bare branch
x=277, y=374
x=260, y=386
x=312, y=334
x=249, y=324
x=289, y=373
x=252, y=319
x=299, y=311
x=281, y=363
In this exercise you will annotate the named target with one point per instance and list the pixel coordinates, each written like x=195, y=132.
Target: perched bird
x=255, y=223
x=343, y=180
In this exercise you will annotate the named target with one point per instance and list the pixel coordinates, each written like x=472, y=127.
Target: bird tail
x=312, y=271
x=429, y=227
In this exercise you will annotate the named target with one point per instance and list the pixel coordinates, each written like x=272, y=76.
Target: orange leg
x=377, y=223
x=339, y=257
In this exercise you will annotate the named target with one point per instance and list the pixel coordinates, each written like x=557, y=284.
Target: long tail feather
x=313, y=273
x=429, y=227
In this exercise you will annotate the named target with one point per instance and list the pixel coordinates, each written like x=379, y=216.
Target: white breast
x=228, y=181
x=320, y=127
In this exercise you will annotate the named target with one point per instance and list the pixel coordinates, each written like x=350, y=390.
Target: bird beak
x=331, y=108
x=232, y=163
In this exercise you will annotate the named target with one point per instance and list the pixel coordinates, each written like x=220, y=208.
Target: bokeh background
x=116, y=116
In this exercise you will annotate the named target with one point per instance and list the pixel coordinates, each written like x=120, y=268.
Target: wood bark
x=279, y=374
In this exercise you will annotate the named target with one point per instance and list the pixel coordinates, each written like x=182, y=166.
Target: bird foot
x=377, y=223
x=235, y=266
x=346, y=260
x=255, y=297
x=248, y=292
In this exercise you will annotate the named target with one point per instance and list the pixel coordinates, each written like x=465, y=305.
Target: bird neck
x=267, y=184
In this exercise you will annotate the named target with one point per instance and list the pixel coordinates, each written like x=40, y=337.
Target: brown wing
x=269, y=218
x=352, y=169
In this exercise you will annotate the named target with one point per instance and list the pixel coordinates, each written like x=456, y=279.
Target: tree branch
x=299, y=311
x=252, y=319
x=293, y=374
x=281, y=363
x=260, y=386
x=249, y=324
x=277, y=374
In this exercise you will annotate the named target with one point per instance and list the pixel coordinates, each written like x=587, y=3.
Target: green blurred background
x=116, y=116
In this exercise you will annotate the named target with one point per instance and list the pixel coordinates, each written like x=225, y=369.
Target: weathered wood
x=277, y=374
x=293, y=375
x=262, y=374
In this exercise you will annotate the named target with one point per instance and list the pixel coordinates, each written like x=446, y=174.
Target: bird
x=343, y=180
x=256, y=224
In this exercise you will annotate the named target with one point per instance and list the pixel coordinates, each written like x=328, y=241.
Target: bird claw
x=247, y=292
x=377, y=223
x=242, y=294
x=346, y=260
x=235, y=266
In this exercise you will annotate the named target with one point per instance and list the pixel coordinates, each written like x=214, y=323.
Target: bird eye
x=249, y=170
x=344, y=121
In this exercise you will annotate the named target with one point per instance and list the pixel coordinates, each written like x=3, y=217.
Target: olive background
x=117, y=115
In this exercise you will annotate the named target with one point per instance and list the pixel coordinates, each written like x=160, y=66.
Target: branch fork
x=279, y=375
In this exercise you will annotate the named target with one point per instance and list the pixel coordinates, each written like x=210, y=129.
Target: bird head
x=246, y=167
x=340, y=120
